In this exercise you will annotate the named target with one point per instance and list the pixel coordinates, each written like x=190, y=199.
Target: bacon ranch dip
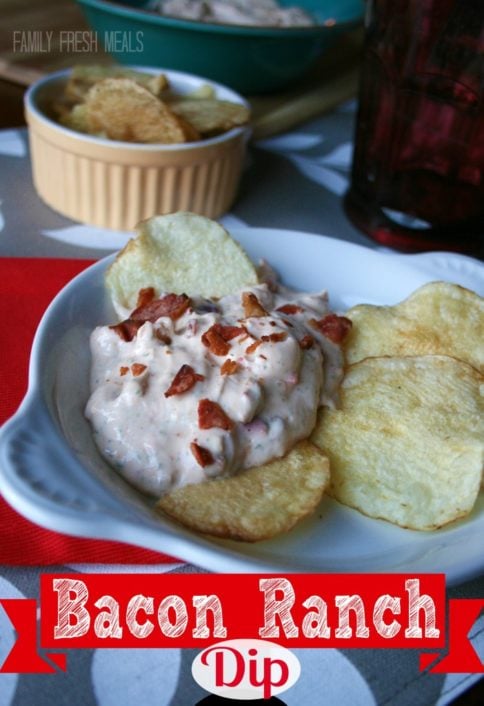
x=241, y=12
x=187, y=389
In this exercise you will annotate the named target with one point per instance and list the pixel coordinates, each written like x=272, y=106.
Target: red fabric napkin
x=27, y=287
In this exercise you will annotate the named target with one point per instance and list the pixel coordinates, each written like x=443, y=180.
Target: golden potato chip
x=209, y=116
x=439, y=318
x=123, y=110
x=407, y=444
x=82, y=78
x=179, y=252
x=256, y=504
x=76, y=118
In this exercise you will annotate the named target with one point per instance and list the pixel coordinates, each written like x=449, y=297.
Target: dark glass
x=418, y=168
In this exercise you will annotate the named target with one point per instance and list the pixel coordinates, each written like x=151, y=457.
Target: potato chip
x=82, y=78
x=407, y=444
x=131, y=106
x=258, y=503
x=209, y=116
x=123, y=110
x=439, y=318
x=181, y=253
x=76, y=118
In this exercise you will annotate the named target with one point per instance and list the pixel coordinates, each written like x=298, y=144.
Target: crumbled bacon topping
x=252, y=306
x=229, y=367
x=230, y=332
x=171, y=305
x=215, y=342
x=334, y=327
x=136, y=369
x=163, y=337
x=306, y=342
x=211, y=414
x=274, y=337
x=184, y=380
x=145, y=296
x=253, y=347
x=202, y=455
x=217, y=337
x=127, y=329
x=290, y=309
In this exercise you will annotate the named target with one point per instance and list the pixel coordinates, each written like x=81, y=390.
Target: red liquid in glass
x=418, y=170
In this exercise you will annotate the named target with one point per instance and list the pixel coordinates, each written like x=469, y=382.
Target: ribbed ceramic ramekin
x=117, y=184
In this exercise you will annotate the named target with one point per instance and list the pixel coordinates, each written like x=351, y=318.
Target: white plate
x=52, y=473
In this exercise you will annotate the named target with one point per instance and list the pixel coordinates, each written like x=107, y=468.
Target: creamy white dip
x=241, y=12
x=257, y=363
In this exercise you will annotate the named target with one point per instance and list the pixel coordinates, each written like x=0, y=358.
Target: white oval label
x=246, y=669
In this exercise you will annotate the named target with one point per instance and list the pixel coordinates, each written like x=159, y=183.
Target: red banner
x=302, y=610
x=295, y=610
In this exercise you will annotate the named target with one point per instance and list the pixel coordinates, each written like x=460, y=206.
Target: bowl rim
x=141, y=13
x=30, y=103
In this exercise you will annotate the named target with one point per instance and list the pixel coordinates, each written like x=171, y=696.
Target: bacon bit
x=229, y=367
x=334, y=327
x=163, y=337
x=127, y=329
x=215, y=342
x=306, y=342
x=253, y=347
x=123, y=370
x=202, y=455
x=137, y=369
x=145, y=296
x=184, y=380
x=171, y=305
x=210, y=415
x=275, y=337
x=290, y=309
x=252, y=306
x=230, y=332
x=217, y=337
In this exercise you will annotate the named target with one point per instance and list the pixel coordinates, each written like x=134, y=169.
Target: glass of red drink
x=418, y=167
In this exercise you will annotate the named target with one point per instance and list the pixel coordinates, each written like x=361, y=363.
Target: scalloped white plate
x=52, y=473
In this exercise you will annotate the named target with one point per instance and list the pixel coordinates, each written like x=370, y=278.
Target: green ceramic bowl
x=249, y=59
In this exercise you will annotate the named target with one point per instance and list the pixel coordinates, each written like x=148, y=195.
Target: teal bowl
x=248, y=59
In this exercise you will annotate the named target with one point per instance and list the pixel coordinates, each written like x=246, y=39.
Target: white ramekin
x=116, y=184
